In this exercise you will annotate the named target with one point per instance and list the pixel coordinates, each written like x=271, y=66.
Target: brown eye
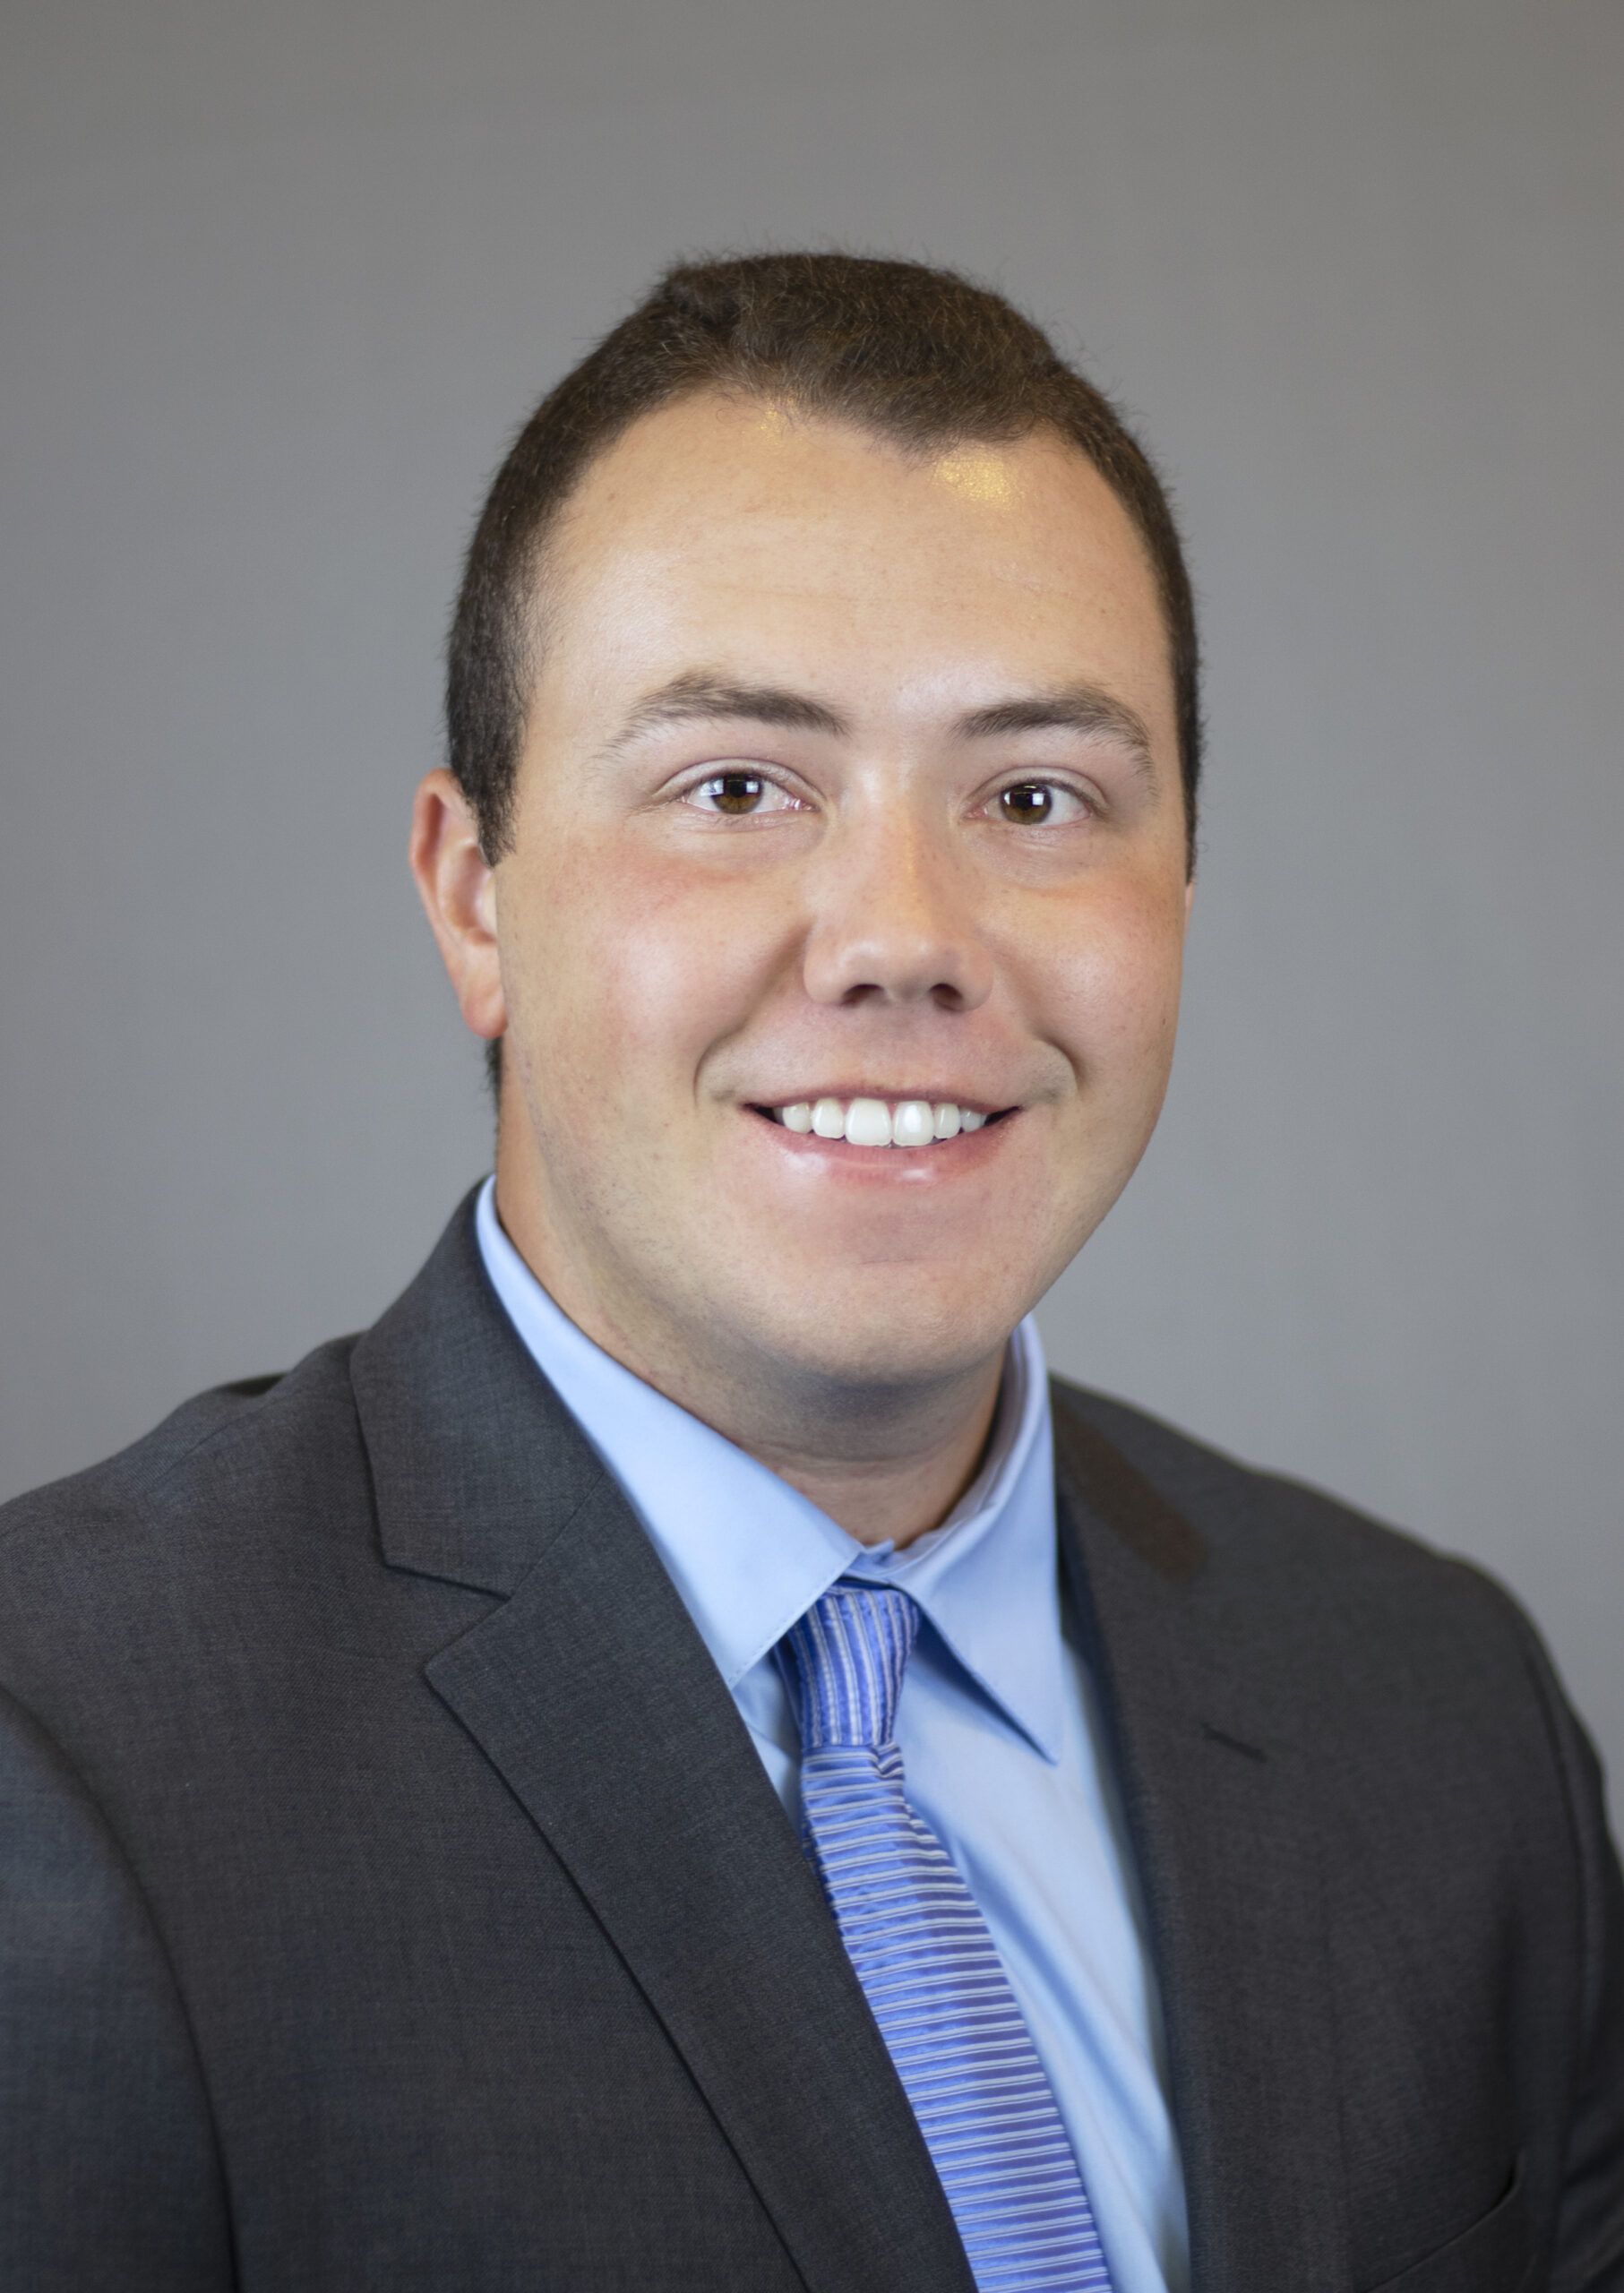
x=735, y=793
x=1032, y=803
x=740, y=792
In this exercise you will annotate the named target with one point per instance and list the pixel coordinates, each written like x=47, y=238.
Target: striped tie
x=925, y=1959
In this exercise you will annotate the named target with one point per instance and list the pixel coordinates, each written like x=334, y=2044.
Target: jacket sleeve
x=110, y=2173
x=1589, y=2254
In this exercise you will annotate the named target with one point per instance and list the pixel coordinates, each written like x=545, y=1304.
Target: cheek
x=629, y=978
x=1119, y=975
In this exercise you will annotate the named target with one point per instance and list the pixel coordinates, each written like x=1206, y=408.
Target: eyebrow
x=1082, y=708
x=1074, y=709
x=696, y=693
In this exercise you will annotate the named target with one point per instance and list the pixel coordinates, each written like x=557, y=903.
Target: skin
x=661, y=948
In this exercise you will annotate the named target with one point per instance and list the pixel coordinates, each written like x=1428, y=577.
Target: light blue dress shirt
x=999, y=1724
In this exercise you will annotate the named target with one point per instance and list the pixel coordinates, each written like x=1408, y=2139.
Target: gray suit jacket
x=390, y=1896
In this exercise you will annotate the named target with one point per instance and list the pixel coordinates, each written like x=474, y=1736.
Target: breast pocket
x=1492, y=2256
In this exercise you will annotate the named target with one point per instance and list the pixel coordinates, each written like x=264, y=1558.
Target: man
x=680, y=1757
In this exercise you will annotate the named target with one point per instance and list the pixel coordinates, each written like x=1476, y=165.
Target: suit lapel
x=591, y=1693
x=589, y=1690
x=1220, y=1809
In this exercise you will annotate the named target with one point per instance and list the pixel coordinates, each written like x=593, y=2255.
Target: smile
x=874, y=1123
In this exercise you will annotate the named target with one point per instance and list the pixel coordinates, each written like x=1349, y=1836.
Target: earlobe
x=457, y=887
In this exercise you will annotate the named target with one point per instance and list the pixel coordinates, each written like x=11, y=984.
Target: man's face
x=848, y=774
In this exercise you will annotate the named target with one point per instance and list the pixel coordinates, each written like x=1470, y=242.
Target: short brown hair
x=923, y=357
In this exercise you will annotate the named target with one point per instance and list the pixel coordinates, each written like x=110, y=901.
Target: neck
x=913, y=1485
x=885, y=1463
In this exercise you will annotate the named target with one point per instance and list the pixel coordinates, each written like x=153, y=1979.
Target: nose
x=894, y=920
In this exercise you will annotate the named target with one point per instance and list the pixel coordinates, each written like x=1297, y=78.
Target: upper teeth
x=872, y=1123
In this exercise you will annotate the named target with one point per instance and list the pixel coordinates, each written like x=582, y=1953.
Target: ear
x=458, y=888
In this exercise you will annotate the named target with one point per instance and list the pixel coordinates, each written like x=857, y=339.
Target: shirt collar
x=749, y=1554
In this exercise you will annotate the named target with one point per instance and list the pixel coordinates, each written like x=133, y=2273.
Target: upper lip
x=936, y=1094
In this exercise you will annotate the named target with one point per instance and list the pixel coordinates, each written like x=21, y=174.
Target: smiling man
x=682, y=1757
x=847, y=812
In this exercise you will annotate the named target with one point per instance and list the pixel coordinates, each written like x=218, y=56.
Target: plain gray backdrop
x=280, y=283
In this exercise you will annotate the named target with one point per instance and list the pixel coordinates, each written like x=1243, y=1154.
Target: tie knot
x=844, y=1663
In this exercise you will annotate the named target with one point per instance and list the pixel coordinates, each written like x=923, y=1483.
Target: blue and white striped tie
x=925, y=1959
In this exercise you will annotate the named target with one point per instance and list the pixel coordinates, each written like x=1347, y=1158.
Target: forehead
x=716, y=522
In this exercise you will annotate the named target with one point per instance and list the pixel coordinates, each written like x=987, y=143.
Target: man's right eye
x=738, y=792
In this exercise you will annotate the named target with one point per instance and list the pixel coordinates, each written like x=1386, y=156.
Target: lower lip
x=937, y=1165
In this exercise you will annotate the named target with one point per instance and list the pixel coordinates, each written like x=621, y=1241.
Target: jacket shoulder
x=1356, y=1633
x=1265, y=1530
x=244, y=1437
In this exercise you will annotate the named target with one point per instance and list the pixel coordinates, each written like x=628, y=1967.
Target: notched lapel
x=591, y=1693
x=1221, y=1807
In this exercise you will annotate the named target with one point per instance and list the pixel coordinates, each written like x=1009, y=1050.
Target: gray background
x=279, y=282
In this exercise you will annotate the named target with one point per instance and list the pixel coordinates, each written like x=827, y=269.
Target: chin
x=880, y=1340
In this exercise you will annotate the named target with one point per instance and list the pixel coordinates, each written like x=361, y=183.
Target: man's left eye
x=1032, y=803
